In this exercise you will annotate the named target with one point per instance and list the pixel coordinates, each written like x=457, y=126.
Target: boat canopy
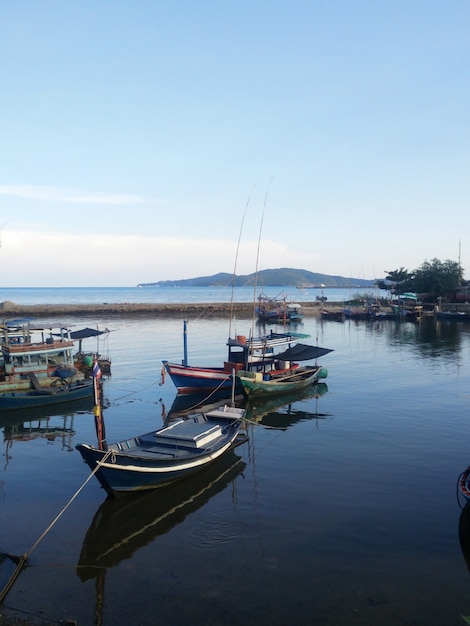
x=302, y=352
x=87, y=332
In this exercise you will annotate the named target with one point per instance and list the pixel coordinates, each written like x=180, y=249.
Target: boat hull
x=158, y=458
x=34, y=398
x=452, y=315
x=280, y=318
x=300, y=378
x=260, y=355
x=189, y=379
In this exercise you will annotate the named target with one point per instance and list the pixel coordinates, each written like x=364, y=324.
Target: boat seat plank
x=160, y=452
x=34, y=380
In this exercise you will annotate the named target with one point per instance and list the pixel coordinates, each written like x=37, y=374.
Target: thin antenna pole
x=236, y=261
x=255, y=284
x=459, y=253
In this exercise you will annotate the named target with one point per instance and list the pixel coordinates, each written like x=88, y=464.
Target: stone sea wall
x=129, y=309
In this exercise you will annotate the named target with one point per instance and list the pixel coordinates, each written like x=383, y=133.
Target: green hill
x=283, y=277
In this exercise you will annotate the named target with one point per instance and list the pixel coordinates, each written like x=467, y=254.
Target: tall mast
x=235, y=267
x=460, y=266
x=255, y=283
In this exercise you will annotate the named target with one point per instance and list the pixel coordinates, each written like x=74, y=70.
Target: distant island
x=283, y=277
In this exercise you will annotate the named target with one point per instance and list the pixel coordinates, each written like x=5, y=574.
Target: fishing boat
x=41, y=372
x=171, y=453
x=288, y=375
x=278, y=311
x=49, y=357
x=410, y=304
x=46, y=396
x=83, y=360
x=256, y=384
x=254, y=354
x=455, y=316
x=370, y=311
x=332, y=315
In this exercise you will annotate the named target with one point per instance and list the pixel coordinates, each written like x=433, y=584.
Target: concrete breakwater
x=130, y=309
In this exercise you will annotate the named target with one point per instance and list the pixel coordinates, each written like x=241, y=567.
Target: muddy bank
x=129, y=309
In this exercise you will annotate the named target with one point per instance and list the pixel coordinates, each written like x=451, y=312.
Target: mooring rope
x=34, y=546
x=202, y=402
x=23, y=559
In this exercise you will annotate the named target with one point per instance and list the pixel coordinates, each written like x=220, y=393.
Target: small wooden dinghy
x=160, y=457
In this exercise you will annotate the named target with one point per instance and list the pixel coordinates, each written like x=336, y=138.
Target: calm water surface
x=90, y=295
x=340, y=509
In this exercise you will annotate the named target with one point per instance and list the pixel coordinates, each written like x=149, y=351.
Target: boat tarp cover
x=86, y=332
x=302, y=352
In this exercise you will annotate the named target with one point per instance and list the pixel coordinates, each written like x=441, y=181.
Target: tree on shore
x=396, y=281
x=433, y=279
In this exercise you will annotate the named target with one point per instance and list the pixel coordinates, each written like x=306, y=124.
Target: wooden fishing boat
x=39, y=371
x=171, y=453
x=46, y=396
x=288, y=381
x=83, y=360
x=332, y=315
x=288, y=376
x=278, y=311
x=254, y=354
x=49, y=358
x=455, y=316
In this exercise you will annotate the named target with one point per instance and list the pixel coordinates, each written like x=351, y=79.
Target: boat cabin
x=21, y=354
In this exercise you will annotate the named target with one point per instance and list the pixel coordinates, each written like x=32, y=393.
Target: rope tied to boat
x=34, y=546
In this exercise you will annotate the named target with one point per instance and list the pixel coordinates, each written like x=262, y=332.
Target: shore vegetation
x=432, y=281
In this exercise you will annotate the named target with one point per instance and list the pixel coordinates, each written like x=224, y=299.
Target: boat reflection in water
x=185, y=404
x=49, y=423
x=283, y=411
x=123, y=525
x=275, y=412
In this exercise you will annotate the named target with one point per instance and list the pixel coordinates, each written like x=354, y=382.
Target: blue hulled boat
x=166, y=455
x=274, y=352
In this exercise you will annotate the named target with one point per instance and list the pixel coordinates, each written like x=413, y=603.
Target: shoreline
x=10, y=310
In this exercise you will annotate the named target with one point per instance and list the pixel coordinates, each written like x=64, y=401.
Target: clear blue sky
x=136, y=135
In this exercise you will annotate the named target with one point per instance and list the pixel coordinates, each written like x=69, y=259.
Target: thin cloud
x=117, y=260
x=71, y=196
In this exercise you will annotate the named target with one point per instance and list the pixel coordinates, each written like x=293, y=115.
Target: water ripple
x=215, y=531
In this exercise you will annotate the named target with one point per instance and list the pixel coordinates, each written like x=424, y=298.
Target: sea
x=157, y=295
x=341, y=507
